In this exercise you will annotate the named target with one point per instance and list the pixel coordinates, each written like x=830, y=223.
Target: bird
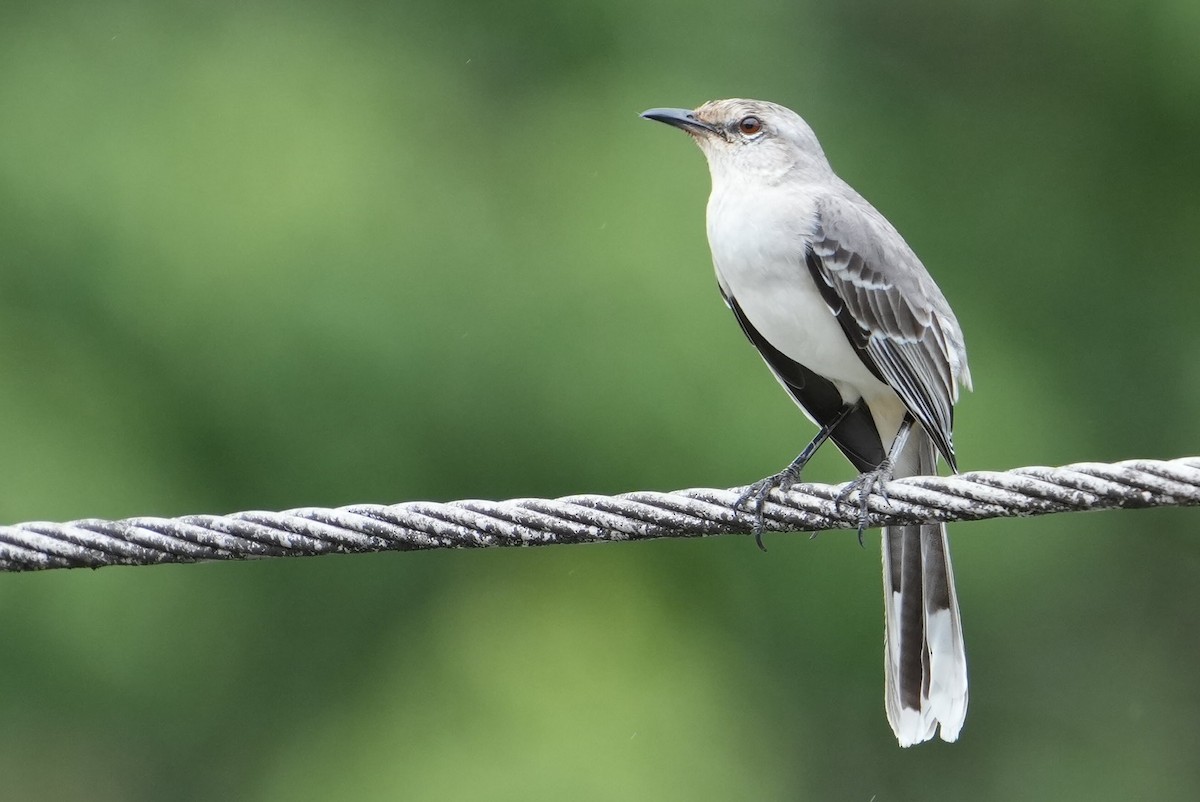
x=855, y=329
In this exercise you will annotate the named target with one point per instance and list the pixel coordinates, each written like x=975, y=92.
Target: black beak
x=680, y=118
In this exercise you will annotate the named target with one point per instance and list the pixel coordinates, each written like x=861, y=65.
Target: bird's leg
x=755, y=496
x=875, y=481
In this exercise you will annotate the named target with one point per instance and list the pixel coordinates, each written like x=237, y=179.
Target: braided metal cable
x=589, y=518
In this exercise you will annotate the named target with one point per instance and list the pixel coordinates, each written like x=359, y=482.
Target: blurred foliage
x=264, y=255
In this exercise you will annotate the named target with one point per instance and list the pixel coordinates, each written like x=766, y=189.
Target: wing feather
x=890, y=309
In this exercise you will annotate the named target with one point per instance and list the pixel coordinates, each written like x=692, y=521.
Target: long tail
x=924, y=659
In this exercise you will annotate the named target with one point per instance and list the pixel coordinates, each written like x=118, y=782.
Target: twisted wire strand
x=640, y=515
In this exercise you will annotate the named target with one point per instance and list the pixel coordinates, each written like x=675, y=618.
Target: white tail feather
x=926, y=669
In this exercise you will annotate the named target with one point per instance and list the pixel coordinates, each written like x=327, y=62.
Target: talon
x=754, y=498
x=867, y=483
x=788, y=477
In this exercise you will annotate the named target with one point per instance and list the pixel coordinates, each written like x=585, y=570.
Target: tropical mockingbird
x=854, y=328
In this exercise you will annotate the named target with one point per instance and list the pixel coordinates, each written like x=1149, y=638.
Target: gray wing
x=888, y=306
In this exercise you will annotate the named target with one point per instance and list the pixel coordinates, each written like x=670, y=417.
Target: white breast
x=758, y=241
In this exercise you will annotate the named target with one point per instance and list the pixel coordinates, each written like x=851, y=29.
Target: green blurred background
x=267, y=255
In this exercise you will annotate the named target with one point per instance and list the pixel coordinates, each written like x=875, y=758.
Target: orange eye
x=750, y=125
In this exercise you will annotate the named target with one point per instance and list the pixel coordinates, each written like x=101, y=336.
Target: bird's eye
x=750, y=125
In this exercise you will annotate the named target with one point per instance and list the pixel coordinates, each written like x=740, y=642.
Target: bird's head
x=748, y=137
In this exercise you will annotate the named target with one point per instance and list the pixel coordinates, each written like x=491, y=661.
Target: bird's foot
x=755, y=496
x=865, y=485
